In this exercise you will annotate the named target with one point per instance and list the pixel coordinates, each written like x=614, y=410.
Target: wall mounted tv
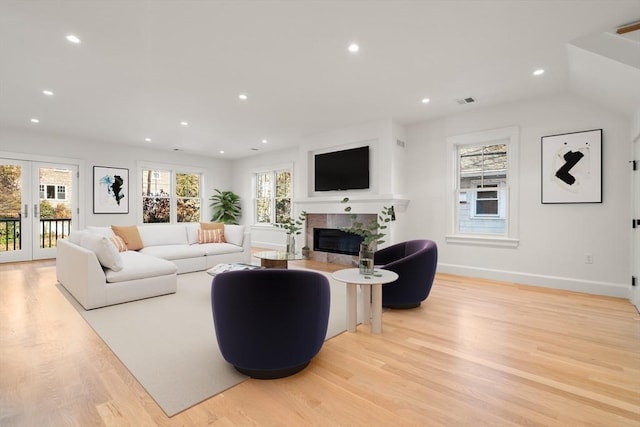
x=342, y=170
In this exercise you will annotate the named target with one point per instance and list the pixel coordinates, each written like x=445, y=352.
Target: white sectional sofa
x=89, y=266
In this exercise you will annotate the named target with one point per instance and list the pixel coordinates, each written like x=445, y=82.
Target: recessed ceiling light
x=243, y=96
x=264, y=141
x=353, y=48
x=147, y=140
x=221, y=151
x=47, y=92
x=184, y=123
x=34, y=120
x=425, y=100
x=73, y=39
x=538, y=72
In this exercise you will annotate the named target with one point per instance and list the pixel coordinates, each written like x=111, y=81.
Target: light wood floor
x=475, y=353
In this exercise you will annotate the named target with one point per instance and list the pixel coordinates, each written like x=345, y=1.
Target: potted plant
x=371, y=233
x=293, y=227
x=226, y=207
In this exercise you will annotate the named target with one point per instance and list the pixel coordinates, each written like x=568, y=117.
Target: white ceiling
x=144, y=66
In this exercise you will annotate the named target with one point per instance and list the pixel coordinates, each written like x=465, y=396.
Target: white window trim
x=511, y=237
x=173, y=219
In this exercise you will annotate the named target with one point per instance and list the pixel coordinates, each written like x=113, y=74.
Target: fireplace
x=336, y=241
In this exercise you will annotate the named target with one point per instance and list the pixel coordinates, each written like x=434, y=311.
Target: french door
x=635, y=260
x=38, y=205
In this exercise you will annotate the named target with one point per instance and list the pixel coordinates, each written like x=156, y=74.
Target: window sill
x=501, y=242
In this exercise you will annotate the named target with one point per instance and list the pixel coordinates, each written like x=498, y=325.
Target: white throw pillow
x=234, y=234
x=76, y=236
x=101, y=231
x=105, y=250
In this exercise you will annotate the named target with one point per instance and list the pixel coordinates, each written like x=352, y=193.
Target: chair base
x=402, y=306
x=271, y=374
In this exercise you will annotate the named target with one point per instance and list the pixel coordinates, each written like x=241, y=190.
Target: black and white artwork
x=572, y=167
x=110, y=190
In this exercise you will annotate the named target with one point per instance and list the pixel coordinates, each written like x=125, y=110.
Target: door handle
x=35, y=211
x=26, y=211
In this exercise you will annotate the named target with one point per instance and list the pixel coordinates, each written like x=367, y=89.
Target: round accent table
x=371, y=295
x=277, y=259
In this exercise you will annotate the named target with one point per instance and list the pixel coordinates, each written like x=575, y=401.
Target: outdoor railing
x=50, y=230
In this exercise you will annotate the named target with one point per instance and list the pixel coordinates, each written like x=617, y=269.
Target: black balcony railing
x=50, y=230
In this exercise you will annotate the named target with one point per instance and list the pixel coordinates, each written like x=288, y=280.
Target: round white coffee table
x=372, y=305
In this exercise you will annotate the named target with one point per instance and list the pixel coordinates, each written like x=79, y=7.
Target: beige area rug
x=168, y=343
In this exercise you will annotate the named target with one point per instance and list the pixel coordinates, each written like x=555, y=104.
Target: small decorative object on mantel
x=572, y=167
x=371, y=233
x=293, y=228
x=305, y=251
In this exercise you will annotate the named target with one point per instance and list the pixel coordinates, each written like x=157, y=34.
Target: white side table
x=372, y=306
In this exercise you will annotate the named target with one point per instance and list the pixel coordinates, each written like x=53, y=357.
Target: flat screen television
x=342, y=170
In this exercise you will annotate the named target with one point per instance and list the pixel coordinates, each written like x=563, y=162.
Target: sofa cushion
x=106, y=252
x=164, y=234
x=211, y=236
x=192, y=232
x=140, y=266
x=76, y=236
x=174, y=251
x=220, y=248
x=130, y=235
x=101, y=231
x=234, y=234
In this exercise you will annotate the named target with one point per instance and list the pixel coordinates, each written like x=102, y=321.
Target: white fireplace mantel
x=365, y=204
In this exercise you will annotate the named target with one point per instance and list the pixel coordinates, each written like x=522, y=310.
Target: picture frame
x=110, y=190
x=572, y=167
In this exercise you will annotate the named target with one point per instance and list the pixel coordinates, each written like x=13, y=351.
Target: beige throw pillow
x=130, y=235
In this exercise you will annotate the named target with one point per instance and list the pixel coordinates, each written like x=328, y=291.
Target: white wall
x=386, y=169
x=553, y=238
x=94, y=153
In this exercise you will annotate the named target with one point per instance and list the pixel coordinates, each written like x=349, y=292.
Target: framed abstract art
x=572, y=167
x=110, y=190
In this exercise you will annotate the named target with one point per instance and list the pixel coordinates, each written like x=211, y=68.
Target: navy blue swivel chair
x=415, y=263
x=270, y=323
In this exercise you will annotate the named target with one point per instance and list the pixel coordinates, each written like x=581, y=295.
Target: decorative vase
x=365, y=258
x=291, y=244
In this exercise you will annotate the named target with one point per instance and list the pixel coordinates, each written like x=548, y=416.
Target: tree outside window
x=162, y=204
x=188, y=197
x=273, y=197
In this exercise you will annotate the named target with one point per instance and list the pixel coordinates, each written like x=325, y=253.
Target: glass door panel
x=54, y=206
x=15, y=212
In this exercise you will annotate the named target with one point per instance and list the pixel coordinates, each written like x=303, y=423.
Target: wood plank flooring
x=476, y=353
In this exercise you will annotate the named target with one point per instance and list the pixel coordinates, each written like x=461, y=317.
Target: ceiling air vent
x=465, y=100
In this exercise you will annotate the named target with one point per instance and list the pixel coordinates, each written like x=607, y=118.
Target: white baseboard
x=618, y=290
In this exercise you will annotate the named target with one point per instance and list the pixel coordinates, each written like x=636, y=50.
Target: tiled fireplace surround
x=329, y=213
x=332, y=221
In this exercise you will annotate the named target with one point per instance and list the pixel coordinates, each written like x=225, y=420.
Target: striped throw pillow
x=211, y=236
x=119, y=243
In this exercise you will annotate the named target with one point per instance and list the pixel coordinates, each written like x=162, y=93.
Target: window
x=485, y=209
x=53, y=192
x=273, y=196
x=482, y=176
x=61, y=192
x=170, y=196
